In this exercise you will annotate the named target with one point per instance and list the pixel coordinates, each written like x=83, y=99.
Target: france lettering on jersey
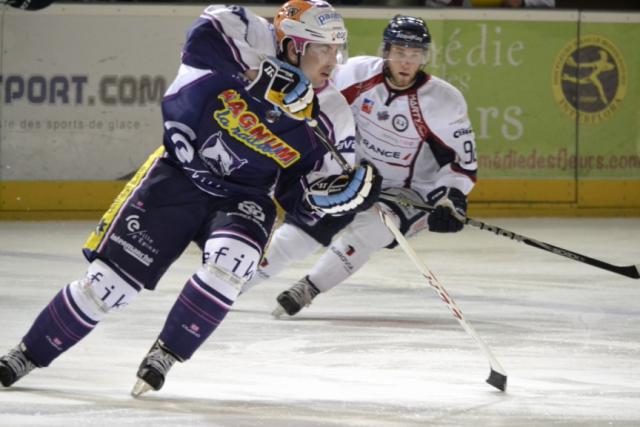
x=420, y=138
x=228, y=142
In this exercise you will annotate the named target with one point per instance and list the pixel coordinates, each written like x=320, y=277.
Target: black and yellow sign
x=590, y=79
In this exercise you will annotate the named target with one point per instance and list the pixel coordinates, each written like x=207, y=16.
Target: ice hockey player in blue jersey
x=240, y=123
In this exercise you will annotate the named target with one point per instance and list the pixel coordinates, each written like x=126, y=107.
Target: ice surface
x=380, y=350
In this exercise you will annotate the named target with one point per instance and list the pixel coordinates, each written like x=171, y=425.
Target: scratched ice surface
x=380, y=350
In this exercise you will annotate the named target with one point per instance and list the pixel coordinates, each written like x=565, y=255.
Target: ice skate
x=15, y=365
x=153, y=369
x=293, y=299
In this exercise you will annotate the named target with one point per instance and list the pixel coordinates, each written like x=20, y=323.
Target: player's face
x=319, y=60
x=403, y=64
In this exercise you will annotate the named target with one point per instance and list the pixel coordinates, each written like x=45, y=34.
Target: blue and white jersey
x=229, y=142
x=230, y=39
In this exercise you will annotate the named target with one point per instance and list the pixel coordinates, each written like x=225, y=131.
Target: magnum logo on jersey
x=590, y=79
x=244, y=126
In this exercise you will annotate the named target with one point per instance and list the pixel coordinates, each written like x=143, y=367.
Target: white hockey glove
x=285, y=87
x=341, y=194
x=450, y=210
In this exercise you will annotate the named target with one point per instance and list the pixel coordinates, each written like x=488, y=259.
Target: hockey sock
x=364, y=236
x=58, y=327
x=195, y=315
x=340, y=261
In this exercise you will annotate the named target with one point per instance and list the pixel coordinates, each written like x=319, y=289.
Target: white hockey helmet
x=309, y=21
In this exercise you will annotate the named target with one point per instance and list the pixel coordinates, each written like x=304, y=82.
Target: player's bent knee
x=229, y=262
x=100, y=291
x=369, y=231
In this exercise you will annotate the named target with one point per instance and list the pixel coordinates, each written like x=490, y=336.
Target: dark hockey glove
x=450, y=210
x=341, y=194
x=286, y=88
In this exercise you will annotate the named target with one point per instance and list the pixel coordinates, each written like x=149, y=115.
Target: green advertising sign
x=608, y=101
x=553, y=97
x=544, y=104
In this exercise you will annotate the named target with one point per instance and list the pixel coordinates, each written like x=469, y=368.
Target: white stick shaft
x=433, y=281
x=431, y=278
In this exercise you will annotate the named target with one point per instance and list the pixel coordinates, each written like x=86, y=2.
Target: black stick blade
x=632, y=271
x=497, y=380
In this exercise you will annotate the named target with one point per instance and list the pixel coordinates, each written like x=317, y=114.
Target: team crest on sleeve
x=244, y=126
x=219, y=157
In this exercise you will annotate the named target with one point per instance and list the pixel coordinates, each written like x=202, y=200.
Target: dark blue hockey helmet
x=406, y=31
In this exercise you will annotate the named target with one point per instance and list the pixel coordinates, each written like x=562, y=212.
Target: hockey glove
x=450, y=210
x=286, y=88
x=341, y=194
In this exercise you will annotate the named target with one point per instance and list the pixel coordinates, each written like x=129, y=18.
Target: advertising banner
x=504, y=71
x=605, y=98
x=553, y=96
x=80, y=90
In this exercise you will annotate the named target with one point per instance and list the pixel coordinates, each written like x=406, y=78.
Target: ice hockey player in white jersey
x=415, y=129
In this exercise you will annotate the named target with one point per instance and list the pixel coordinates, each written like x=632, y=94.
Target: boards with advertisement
x=555, y=114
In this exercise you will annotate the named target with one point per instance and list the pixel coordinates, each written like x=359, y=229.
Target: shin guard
x=194, y=316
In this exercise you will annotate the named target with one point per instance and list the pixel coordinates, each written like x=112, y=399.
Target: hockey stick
x=497, y=376
x=632, y=271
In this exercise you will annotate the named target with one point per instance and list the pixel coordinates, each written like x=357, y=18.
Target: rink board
x=88, y=199
x=75, y=123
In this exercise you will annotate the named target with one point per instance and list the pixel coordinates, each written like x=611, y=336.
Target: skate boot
x=153, y=369
x=293, y=299
x=15, y=365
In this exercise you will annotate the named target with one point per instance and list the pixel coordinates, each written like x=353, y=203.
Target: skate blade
x=278, y=312
x=139, y=388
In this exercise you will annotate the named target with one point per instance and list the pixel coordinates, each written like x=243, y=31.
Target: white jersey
x=419, y=138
